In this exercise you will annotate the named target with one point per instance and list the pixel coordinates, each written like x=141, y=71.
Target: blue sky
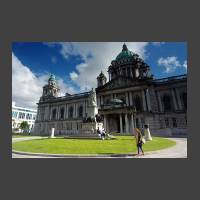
x=76, y=65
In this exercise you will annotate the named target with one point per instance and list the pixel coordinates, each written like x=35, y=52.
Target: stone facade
x=70, y=114
x=130, y=98
x=161, y=103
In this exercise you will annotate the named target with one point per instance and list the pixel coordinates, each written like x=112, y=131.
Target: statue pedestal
x=91, y=127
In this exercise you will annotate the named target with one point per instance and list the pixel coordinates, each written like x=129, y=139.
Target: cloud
x=185, y=64
x=96, y=56
x=73, y=75
x=27, y=86
x=170, y=63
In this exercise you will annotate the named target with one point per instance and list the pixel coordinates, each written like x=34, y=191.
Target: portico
x=118, y=121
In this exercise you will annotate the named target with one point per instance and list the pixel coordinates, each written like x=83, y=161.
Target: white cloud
x=73, y=75
x=185, y=64
x=96, y=56
x=27, y=86
x=170, y=63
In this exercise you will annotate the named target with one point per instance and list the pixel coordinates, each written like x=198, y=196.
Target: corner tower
x=101, y=80
x=51, y=90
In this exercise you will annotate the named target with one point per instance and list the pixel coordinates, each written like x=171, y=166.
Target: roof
x=125, y=53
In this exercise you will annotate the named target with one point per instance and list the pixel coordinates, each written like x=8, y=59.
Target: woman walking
x=139, y=141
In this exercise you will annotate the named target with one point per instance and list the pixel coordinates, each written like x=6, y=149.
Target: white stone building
x=20, y=114
x=130, y=98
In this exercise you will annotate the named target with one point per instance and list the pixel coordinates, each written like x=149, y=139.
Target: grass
x=121, y=145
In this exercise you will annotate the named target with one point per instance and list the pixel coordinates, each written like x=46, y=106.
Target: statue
x=92, y=100
x=147, y=134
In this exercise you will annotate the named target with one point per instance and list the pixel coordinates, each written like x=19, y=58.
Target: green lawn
x=121, y=145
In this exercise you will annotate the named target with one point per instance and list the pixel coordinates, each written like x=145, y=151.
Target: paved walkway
x=178, y=151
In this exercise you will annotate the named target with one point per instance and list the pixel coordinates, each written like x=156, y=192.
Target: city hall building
x=130, y=98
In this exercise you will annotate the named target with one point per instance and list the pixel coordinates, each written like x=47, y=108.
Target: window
x=80, y=111
x=28, y=116
x=184, y=100
x=54, y=114
x=71, y=110
x=21, y=115
x=174, y=122
x=62, y=112
x=167, y=122
x=138, y=104
x=166, y=103
x=14, y=114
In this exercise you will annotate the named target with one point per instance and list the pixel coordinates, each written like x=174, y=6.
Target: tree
x=24, y=125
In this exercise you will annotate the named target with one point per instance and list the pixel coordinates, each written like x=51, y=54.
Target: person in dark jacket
x=139, y=141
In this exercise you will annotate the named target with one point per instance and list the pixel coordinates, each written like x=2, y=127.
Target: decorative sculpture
x=92, y=100
x=147, y=134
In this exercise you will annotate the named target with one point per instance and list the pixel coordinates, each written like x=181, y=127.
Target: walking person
x=139, y=141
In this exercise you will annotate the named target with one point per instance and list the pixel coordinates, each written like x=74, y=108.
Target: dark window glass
x=184, y=100
x=54, y=114
x=167, y=103
x=80, y=111
x=174, y=122
x=62, y=112
x=138, y=103
x=71, y=112
x=167, y=122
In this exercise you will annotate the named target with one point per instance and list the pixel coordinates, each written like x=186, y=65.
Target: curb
x=74, y=155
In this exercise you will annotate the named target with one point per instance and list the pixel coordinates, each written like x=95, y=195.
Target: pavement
x=177, y=151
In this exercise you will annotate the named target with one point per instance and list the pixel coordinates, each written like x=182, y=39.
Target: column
x=148, y=100
x=104, y=121
x=121, y=125
x=178, y=99
x=159, y=101
x=144, y=101
x=74, y=113
x=57, y=112
x=127, y=103
x=131, y=98
x=66, y=111
x=174, y=99
x=50, y=113
x=126, y=123
x=132, y=123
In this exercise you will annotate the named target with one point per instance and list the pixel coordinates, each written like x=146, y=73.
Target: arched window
x=54, y=114
x=167, y=103
x=71, y=110
x=184, y=100
x=138, y=103
x=62, y=112
x=80, y=111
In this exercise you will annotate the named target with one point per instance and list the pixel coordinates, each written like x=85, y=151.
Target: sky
x=76, y=65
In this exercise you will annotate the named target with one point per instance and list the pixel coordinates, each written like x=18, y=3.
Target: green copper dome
x=125, y=53
x=52, y=77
